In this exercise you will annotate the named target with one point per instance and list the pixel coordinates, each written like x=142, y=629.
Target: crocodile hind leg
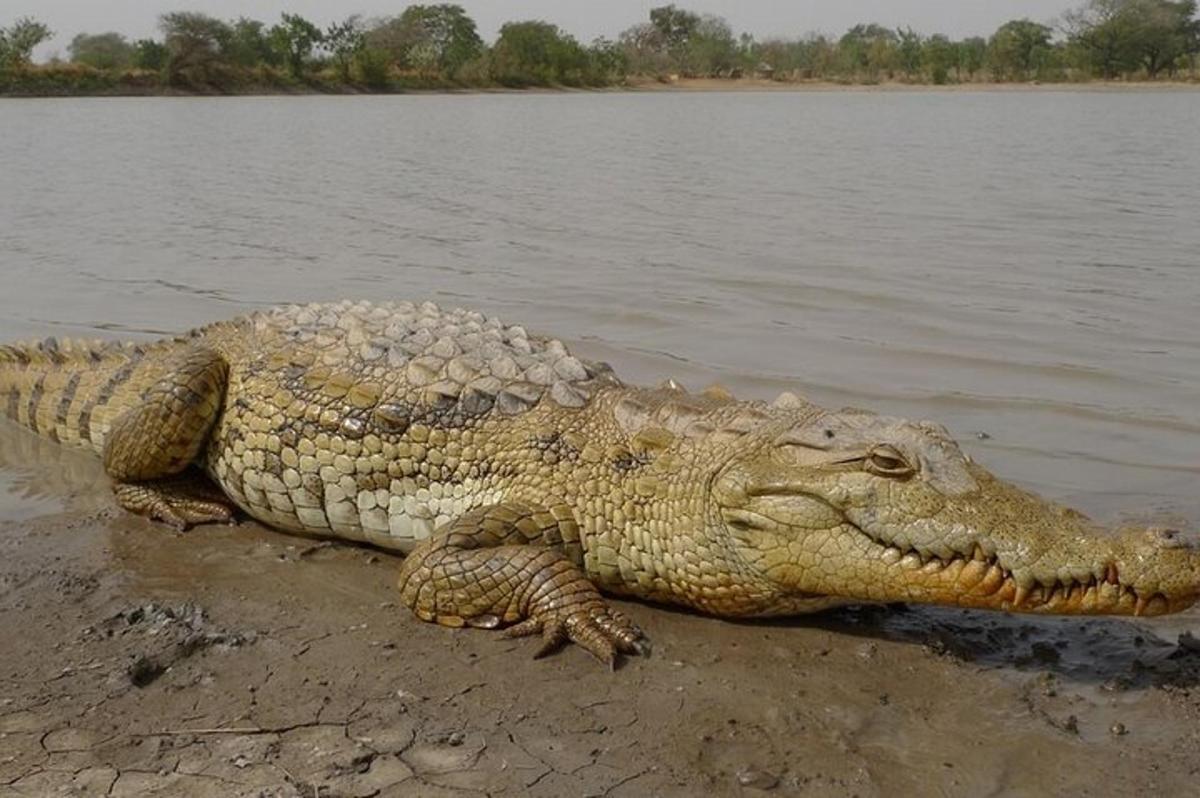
x=176, y=501
x=511, y=563
x=151, y=445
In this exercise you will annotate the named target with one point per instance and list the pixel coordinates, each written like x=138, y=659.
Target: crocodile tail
x=62, y=389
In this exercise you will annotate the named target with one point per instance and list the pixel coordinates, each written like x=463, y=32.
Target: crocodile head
x=852, y=506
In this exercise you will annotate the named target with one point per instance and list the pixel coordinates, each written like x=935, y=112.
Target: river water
x=1022, y=266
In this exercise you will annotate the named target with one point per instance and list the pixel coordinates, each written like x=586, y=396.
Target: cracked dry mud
x=243, y=662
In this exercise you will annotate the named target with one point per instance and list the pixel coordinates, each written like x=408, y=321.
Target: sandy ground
x=236, y=661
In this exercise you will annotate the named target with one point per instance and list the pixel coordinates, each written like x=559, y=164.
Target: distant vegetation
x=438, y=47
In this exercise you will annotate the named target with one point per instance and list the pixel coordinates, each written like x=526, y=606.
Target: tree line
x=438, y=46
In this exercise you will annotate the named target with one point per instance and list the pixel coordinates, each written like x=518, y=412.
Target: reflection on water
x=38, y=477
x=1021, y=265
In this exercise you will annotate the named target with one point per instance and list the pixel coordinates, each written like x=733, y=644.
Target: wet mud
x=237, y=661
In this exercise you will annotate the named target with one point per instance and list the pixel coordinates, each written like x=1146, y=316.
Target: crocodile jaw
x=950, y=533
x=1139, y=572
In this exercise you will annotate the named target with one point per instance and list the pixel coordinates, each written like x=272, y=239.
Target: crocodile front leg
x=151, y=445
x=509, y=563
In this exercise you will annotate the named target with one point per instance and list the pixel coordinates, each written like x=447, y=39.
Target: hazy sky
x=585, y=19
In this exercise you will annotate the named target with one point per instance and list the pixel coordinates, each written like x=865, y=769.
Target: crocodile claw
x=600, y=630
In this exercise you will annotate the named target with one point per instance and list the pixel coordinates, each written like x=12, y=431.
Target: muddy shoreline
x=633, y=85
x=241, y=661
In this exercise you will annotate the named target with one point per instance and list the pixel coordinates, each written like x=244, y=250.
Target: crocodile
x=523, y=484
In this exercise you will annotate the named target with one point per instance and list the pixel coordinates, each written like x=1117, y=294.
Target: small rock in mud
x=144, y=670
x=151, y=619
x=1118, y=730
x=757, y=779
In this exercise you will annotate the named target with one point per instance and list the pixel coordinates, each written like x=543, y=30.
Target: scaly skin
x=521, y=482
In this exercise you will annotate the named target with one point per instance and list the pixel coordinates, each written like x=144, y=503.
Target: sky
x=584, y=19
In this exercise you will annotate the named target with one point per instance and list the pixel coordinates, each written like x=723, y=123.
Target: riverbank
x=753, y=84
x=84, y=83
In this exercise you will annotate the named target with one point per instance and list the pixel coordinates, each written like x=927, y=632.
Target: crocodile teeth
x=1111, y=576
x=933, y=565
x=1140, y=606
x=975, y=571
x=1021, y=595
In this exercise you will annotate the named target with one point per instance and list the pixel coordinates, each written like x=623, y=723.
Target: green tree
x=1103, y=31
x=149, y=54
x=344, y=41
x=17, y=42
x=295, y=38
x=748, y=51
x=711, y=49
x=249, y=44
x=645, y=50
x=868, y=50
x=373, y=67
x=447, y=32
x=683, y=41
x=675, y=28
x=1168, y=32
x=101, y=50
x=1018, y=49
x=609, y=61
x=813, y=56
x=194, y=44
x=971, y=55
x=1123, y=36
x=537, y=54
x=910, y=47
x=939, y=55
x=431, y=38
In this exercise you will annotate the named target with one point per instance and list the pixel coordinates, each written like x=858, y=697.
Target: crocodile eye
x=887, y=461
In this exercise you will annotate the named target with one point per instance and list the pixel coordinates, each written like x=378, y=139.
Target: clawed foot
x=503, y=564
x=178, y=506
x=599, y=629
